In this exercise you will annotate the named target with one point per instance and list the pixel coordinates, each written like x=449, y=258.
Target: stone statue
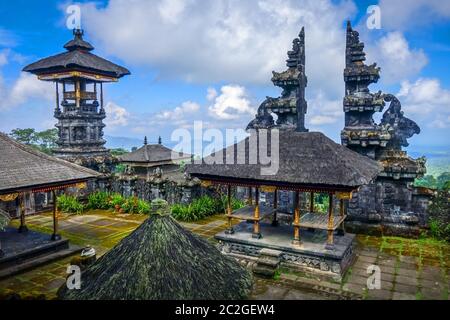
x=403, y=128
x=263, y=119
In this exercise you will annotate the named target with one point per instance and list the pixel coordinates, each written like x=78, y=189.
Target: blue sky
x=191, y=60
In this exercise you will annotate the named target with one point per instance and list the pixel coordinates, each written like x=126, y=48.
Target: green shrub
x=143, y=207
x=439, y=216
x=129, y=205
x=203, y=207
x=99, y=200
x=116, y=201
x=439, y=230
x=69, y=204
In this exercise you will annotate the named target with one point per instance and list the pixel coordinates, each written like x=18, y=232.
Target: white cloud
x=395, y=57
x=224, y=41
x=24, y=89
x=323, y=111
x=116, y=116
x=402, y=15
x=4, y=57
x=171, y=10
x=179, y=113
x=231, y=104
x=426, y=98
x=212, y=93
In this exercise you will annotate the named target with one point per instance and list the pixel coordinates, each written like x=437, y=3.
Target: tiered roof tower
x=291, y=106
x=361, y=133
x=388, y=203
x=79, y=75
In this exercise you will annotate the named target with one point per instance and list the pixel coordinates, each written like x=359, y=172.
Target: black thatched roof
x=77, y=58
x=162, y=261
x=152, y=153
x=23, y=167
x=305, y=159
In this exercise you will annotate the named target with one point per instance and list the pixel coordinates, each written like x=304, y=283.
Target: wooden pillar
x=256, y=227
x=55, y=235
x=101, y=95
x=22, y=228
x=77, y=93
x=57, y=95
x=341, y=230
x=230, y=229
x=275, y=208
x=250, y=196
x=330, y=240
x=296, y=240
x=311, y=202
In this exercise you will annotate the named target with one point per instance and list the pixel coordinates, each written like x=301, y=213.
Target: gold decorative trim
x=81, y=185
x=344, y=195
x=9, y=197
x=268, y=188
x=206, y=183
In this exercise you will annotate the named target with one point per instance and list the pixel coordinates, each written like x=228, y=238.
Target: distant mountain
x=438, y=158
x=122, y=142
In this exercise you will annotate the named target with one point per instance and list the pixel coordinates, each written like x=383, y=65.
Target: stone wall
x=146, y=190
x=389, y=207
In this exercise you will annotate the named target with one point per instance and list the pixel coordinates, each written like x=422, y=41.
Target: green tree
x=442, y=180
x=25, y=136
x=47, y=138
x=119, y=152
x=428, y=181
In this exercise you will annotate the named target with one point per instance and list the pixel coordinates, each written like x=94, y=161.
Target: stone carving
x=291, y=106
x=402, y=127
x=373, y=205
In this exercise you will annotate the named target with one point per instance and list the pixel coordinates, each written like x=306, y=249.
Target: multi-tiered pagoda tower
x=390, y=204
x=291, y=107
x=79, y=75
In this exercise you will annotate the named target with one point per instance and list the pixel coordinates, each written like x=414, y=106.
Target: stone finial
x=145, y=141
x=159, y=140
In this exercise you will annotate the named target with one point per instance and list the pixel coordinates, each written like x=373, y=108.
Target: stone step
x=264, y=271
x=273, y=263
x=39, y=261
x=270, y=253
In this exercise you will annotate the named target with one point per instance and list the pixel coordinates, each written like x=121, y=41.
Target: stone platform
x=310, y=257
x=24, y=251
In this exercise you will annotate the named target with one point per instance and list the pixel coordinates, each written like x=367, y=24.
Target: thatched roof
x=23, y=167
x=77, y=57
x=305, y=159
x=153, y=153
x=162, y=261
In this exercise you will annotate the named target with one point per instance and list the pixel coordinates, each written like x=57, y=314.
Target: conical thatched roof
x=162, y=261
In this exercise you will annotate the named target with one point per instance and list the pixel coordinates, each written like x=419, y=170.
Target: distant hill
x=438, y=158
x=122, y=142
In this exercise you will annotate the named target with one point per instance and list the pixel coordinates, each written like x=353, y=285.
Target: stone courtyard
x=410, y=269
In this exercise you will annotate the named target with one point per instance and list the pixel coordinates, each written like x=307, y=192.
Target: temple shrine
x=308, y=163
x=79, y=76
x=390, y=205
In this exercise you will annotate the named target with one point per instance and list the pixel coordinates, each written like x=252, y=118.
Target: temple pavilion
x=25, y=170
x=79, y=75
x=155, y=159
x=301, y=162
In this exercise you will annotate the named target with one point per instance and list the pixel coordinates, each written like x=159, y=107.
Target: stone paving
x=410, y=269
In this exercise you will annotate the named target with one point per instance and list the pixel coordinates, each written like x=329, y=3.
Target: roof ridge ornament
x=78, y=43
